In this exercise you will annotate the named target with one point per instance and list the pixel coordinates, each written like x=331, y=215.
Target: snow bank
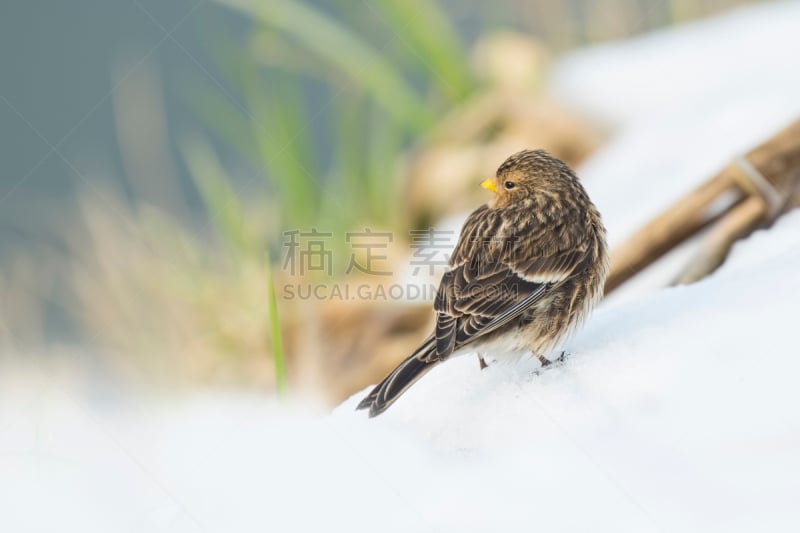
x=676, y=411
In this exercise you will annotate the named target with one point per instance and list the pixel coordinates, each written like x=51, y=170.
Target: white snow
x=750, y=51
x=677, y=409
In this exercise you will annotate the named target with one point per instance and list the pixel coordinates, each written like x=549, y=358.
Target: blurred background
x=166, y=164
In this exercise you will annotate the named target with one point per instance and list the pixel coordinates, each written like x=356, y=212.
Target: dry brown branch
x=742, y=220
x=758, y=188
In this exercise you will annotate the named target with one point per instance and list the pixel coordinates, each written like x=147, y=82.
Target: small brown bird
x=527, y=269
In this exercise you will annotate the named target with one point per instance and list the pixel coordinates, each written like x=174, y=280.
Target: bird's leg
x=560, y=358
x=481, y=361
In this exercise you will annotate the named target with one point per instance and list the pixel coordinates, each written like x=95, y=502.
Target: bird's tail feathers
x=395, y=384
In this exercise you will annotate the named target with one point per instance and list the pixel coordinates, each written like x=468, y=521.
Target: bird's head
x=526, y=175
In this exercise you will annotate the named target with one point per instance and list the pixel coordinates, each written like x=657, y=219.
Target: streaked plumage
x=527, y=268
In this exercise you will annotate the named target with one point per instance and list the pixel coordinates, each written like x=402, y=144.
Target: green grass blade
x=278, y=128
x=224, y=122
x=340, y=47
x=422, y=27
x=276, y=334
x=219, y=198
x=348, y=136
x=384, y=147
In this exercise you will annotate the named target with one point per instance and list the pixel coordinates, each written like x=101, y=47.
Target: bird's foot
x=547, y=362
x=482, y=362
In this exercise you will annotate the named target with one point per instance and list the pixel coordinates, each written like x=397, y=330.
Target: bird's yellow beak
x=488, y=183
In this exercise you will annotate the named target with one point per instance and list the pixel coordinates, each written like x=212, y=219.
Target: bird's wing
x=491, y=284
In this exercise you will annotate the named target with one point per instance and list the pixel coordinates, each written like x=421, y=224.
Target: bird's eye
x=509, y=185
